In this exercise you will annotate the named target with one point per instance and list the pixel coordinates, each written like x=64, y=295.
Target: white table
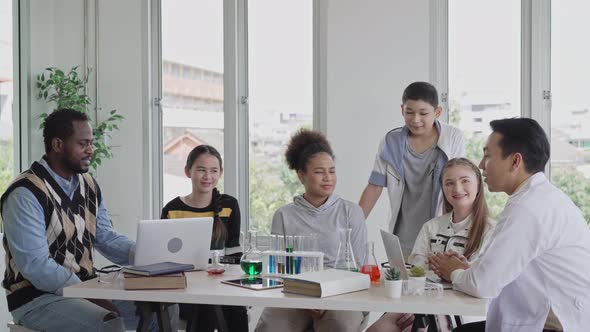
x=205, y=289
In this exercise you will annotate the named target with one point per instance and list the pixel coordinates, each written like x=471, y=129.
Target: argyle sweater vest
x=70, y=227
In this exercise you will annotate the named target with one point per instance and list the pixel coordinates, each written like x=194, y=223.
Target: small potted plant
x=393, y=284
x=417, y=280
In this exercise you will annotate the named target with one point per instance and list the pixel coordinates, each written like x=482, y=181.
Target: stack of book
x=165, y=275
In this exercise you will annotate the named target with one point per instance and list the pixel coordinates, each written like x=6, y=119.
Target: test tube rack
x=277, y=263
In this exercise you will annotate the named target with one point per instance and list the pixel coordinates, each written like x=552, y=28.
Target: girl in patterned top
x=464, y=229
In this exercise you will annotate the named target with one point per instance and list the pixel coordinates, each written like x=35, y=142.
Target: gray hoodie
x=302, y=218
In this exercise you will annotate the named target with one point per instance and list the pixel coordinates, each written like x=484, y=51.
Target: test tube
x=280, y=268
x=289, y=249
x=271, y=257
x=297, y=247
x=313, y=246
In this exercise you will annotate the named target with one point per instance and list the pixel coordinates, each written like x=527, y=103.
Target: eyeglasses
x=106, y=270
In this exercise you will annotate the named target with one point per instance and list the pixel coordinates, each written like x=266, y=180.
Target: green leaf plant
x=417, y=271
x=392, y=273
x=68, y=90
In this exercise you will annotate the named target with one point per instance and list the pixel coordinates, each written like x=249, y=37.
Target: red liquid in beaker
x=372, y=271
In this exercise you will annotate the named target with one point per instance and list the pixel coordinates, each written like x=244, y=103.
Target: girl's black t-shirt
x=229, y=215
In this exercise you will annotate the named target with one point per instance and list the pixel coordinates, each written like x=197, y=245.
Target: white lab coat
x=538, y=258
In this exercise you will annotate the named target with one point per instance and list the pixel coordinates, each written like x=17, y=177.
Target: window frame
x=235, y=105
x=535, y=59
x=20, y=51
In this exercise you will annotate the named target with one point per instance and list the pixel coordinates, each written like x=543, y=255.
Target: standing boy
x=409, y=162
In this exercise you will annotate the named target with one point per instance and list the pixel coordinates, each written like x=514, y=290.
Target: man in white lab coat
x=536, y=268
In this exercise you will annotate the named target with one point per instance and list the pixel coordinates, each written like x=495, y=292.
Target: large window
x=570, y=111
x=192, y=86
x=487, y=52
x=237, y=75
x=280, y=76
x=6, y=94
x=483, y=71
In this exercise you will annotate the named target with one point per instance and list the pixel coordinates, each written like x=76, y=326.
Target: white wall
x=54, y=40
x=122, y=72
x=371, y=51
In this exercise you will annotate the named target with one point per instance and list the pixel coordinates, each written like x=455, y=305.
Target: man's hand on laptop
x=444, y=264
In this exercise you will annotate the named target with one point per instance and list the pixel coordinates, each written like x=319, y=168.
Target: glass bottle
x=251, y=261
x=345, y=258
x=216, y=267
x=370, y=265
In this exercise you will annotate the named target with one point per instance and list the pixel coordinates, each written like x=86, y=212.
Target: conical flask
x=251, y=261
x=345, y=258
x=370, y=265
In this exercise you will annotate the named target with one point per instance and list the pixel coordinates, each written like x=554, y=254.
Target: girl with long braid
x=204, y=167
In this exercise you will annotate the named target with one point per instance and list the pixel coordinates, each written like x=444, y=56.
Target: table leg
x=193, y=319
x=145, y=316
x=163, y=316
x=424, y=323
x=221, y=324
x=146, y=309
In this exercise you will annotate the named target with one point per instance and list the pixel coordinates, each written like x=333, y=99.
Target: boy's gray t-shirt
x=417, y=197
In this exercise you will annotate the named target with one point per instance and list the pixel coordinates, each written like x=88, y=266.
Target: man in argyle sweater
x=54, y=216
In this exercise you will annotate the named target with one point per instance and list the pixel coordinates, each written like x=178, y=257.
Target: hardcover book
x=168, y=281
x=326, y=283
x=158, y=268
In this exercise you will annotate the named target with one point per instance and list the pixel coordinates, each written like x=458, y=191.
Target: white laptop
x=395, y=256
x=186, y=240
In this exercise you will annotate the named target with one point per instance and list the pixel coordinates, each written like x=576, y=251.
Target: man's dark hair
x=60, y=124
x=526, y=137
x=421, y=91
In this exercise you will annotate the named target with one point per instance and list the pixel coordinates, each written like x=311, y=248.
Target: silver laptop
x=395, y=256
x=186, y=240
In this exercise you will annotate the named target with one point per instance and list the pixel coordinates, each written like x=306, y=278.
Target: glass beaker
x=251, y=262
x=345, y=258
x=370, y=265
